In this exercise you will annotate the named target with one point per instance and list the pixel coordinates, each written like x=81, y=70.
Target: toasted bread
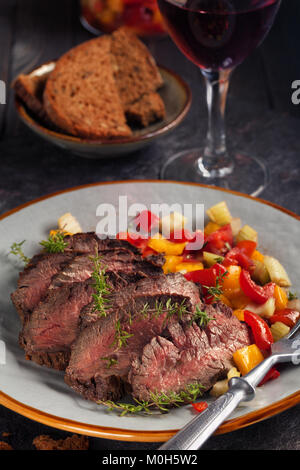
x=148, y=109
x=81, y=96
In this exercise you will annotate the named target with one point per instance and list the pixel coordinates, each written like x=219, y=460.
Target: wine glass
x=217, y=35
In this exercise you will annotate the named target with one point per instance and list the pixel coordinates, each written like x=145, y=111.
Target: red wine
x=218, y=34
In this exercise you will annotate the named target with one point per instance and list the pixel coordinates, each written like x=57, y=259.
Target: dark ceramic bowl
x=175, y=93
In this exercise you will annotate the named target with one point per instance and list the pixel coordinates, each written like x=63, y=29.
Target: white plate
x=41, y=394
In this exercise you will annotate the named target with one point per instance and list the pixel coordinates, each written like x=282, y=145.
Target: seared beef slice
x=189, y=355
x=99, y=357
x=54, y=288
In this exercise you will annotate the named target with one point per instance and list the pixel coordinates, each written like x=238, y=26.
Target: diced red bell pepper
x=134, y=239
x=145, y=221
x=271, y=375
x=259, y=294
x=206, y=277
x=241, y=254
x=196, y=244
x=287, y=316
x=217, y=242
x=148, y=252
x=201, y=406
x=261, y=332
x=182, y=235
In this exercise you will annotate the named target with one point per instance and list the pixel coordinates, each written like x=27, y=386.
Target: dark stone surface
x=261, y=120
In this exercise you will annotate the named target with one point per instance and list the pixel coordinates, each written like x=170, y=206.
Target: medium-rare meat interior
x=146, y=338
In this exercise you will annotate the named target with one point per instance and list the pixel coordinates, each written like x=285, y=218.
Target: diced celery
x=247, y=233
x=172, y=222
x=277, y=272
x=219, y=213
x=260, y=273
x=68, y=223
x=236, y=225
x=265, y=310
x=279, y=330
x=219, y=388
x=210, y=258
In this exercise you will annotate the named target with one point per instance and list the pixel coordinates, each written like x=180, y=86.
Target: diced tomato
x=183, y=235
x=287, y=316
x=219, y=241
x=247, y=247
x=195, y=244
x=261, y=332
x=201, y=406
x=147, y=251
x=145, y=221
x=134, y=239
x=207, y=278
x=271, y=375
x=241, y=255
x=259, y=294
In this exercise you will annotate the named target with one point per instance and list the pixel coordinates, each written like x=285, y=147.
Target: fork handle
x=195, y=433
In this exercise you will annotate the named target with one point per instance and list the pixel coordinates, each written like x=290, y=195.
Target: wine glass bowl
x=217, y=35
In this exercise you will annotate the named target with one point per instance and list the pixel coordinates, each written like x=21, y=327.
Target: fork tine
x=293, y=330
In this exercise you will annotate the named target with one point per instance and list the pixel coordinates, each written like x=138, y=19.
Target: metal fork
x=197, y=431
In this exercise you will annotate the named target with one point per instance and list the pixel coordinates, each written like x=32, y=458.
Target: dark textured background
x=261, y=118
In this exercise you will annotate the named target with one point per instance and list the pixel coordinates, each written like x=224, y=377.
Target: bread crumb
x=5, y=446
x=74, y=442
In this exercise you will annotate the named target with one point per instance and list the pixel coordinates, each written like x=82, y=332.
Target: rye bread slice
x=81, y=96
x=147, y=110
x=136, y=72
x=30, y=88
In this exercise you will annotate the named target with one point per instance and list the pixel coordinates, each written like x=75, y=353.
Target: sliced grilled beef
x=35, y=280
x=189, y=355
x=54, y=289
x=138, y=313
x=38, y=275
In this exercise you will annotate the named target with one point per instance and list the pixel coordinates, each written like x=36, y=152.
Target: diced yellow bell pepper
x=258, y=256
x=247, y=358
x=52, y=233
x=162, y=245
x=171, y=262
x=231, y=282
x=225, y=300
x=188, y=267
x=281, y=298
x=239, y=314
x=210, y=228
x=240, y=301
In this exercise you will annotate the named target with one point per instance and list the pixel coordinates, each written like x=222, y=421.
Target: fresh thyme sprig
x=168, y=307
x=16, y=249
x=158, y=401
x=215, y=292
x=292, y=296
x=55, y=243
x=121, y=336
x=201, y=318
x=110, y=361
x=102, y=289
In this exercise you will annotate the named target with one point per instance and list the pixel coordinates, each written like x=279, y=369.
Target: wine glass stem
x=215, y=161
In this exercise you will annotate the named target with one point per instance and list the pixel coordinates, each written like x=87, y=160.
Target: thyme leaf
x=215, y=292
x=102, y=289
x=110, y=361
x=201, y=318
x=158, y=401
x=16, y=249
x=121, y=336
x=292, y=296
x=55, y=243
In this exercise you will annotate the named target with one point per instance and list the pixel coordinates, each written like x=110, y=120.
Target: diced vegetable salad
x=230, y=268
